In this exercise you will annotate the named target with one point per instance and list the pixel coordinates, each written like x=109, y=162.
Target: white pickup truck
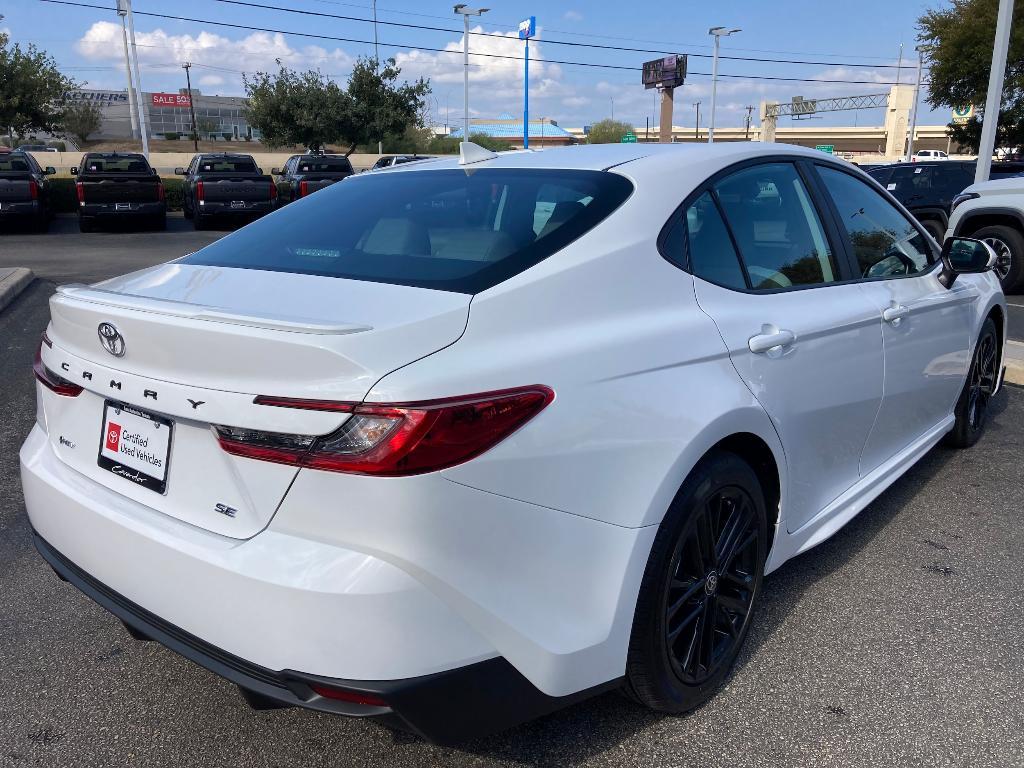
x=993, y=211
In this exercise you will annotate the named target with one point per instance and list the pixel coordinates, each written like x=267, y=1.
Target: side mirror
x=259, y=171
x=49, y=170
x=275, y=172
x=965, y=256
x=74, y=170
x=179, y=171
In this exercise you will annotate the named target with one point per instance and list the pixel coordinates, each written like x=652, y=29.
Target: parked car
x=993, y=211
x=226, y=186
x=24, y=191
x=298, y=457
x=303, y=175
x=929, y=154
x=928, y=188
x=387, y=161
x=118, y=187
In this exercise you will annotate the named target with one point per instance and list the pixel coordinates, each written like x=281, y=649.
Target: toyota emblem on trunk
x=111, y=339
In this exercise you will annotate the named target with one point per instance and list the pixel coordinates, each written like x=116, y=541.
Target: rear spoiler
x=77, y=293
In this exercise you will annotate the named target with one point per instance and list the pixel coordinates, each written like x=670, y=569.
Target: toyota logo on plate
x=111, y=339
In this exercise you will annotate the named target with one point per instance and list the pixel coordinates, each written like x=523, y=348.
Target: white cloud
x=572, y=16
x=259, y=51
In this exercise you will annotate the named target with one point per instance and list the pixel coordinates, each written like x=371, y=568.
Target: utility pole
x=718, y=33
x=913, y=111
x=746, y=132
x=143, y=128
x=995, y=91
x=696, y=125
x=527, y=29
x=191, y=107
x=613, y=106
x=122, y=11
x=466, y=12
x=899, y=65
x=376, y=68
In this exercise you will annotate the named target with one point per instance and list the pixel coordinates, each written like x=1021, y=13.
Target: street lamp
x=913, y=111
x=466, y=12
x=718, y=33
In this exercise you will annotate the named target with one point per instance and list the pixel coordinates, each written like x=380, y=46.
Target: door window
x=776, y=228
x=883, y=241
x=712, y=256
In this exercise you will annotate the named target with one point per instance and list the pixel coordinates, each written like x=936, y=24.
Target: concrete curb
x=13, y=280
x=1014, y=360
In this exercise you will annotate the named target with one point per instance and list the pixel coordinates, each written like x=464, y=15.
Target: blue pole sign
x=527, y=29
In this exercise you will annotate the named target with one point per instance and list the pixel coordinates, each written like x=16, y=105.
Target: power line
x=549, y=41
x=447, y=51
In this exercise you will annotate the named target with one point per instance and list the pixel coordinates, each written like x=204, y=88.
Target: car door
x=926, y=327
x=807, y=345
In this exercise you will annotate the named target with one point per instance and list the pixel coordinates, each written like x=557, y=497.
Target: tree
x=959, y=56
x=32, y=90
x=608, y=131
x=81, y=119
x=312, y=110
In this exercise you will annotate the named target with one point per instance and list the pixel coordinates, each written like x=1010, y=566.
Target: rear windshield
x=116, y=165
x=451, y=230
x=13, y=164
x=227, y=165
x=325, y=165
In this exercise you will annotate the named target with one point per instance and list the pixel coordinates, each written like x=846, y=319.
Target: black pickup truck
x=303, y=175
x=225, y=185
x=118, y=187
x=24, y=192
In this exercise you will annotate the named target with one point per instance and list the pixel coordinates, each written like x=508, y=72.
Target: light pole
x=718, y=33
x=466, y=12
x=913, y=110
x=143, y=128
x=527, y=29
x=376, y=68
x=122, y=11
x=696, y=125
x=995, y=91
x=191, y=107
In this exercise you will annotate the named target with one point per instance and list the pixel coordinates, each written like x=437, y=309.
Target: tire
x=159, y=222
x=84, y=224
x=199, y=222
x=1008, y=244
x=972, y=406
x=686, y=581
x=935, y=228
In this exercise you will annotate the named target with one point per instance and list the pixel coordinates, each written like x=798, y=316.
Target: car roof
x=115, y=154
x=640, y=157
x=225, y=154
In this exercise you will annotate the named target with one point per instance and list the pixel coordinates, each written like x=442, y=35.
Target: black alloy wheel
x=700, y=588
x=973, y=406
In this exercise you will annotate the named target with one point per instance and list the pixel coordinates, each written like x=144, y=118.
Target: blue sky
x=868, y=33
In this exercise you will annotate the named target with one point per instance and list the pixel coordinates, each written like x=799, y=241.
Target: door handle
x=895, y=313
x=770, y=339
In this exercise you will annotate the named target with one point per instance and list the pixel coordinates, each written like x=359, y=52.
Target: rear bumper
x=17, y=210
x=446, y=708
x=107, y=210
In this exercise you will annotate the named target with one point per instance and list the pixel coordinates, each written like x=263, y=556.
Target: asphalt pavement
x=896, y=642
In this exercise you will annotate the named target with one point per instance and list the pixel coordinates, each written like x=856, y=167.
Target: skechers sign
x=99, y=98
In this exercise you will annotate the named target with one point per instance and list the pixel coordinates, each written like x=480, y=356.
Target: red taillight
x=48, y=378
x=80, y=190
x=303, y=188
x=353, y=697
x=159, y=192
x=273, y=190
x=394, y=440
x=33, y=190
x=200, y=193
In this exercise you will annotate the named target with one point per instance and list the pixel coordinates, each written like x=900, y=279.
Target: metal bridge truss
x=806, y=107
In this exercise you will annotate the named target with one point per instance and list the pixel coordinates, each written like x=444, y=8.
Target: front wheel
x=700, y=588
x=972, y=407
x=1008, y=244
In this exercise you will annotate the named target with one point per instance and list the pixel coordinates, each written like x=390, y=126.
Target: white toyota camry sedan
x=459, y=443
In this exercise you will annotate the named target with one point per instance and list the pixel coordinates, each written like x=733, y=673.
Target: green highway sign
x=629, y=138
x=828, y=149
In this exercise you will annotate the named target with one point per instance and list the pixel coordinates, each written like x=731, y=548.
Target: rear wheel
x=972, y=407
x=159, y=222
x=1008, y=244
x=84, y=224
x=199, y=221
x=700, y=588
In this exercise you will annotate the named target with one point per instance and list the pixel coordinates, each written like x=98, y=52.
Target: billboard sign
x=171, y=99
x=99, y=98
x=528, y=28
x=963, y=114
x=666, y=72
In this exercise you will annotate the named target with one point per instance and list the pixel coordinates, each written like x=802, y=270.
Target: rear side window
x=780, y=237
x=712, y=256
x=14, y=164
x=452, y=230
x=227, y=165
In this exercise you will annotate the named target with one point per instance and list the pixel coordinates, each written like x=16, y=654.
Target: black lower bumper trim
x=446, y=708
